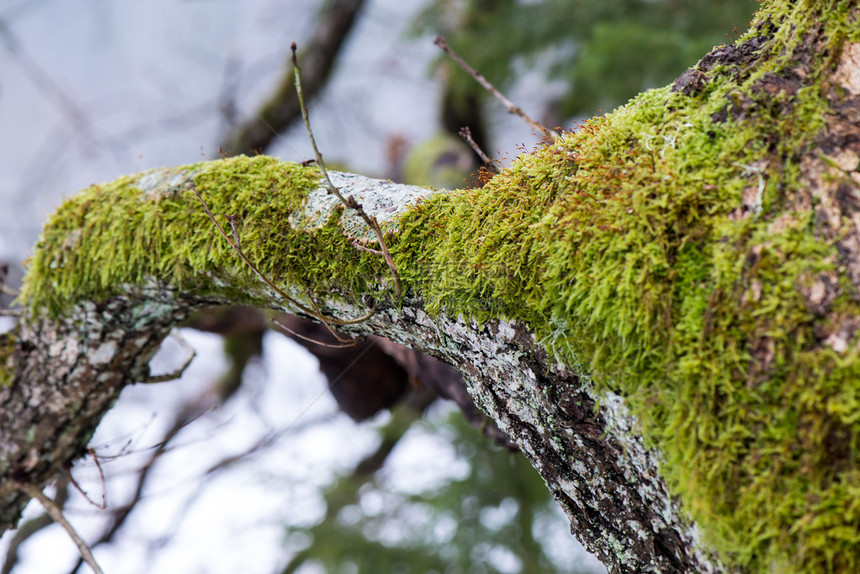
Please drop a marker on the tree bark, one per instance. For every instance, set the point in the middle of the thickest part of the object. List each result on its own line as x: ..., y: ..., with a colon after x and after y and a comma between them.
x: 660, y: 310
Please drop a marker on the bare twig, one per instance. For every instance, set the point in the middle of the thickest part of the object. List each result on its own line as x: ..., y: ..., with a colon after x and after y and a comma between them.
x: 249, y: 454
x: 118, y: 516
x: 103, y: 506
x: 327, y: 326
x: 234, y: 222
x: 361, y: 247
x: 489, y: 163
x: 56, y: 513
x: 269, y: 282
x: 509, y: 105
x: 345, y: 343
x: 335, y: 20
x: 350, y: 201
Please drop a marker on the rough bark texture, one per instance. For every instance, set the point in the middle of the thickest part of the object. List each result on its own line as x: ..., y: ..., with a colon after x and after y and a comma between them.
x: 612, y: 492
x: 690, y: 259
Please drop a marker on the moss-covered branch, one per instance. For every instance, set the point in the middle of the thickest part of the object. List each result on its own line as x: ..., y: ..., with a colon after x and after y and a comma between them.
x: 661, y: 307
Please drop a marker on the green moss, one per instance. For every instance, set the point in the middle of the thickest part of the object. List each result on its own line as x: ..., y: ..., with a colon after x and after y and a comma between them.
x: 635, y: 248
x: 661, y: 249
x: 115, y: 234
x: 7, y: 353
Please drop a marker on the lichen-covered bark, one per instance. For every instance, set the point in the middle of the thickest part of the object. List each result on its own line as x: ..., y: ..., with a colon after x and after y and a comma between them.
x: 68, y: 373
x: 601, y: 474
x: 662, y: 309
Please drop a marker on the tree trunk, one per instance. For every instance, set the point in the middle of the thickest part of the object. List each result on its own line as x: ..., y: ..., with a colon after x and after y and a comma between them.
x: 661, y: 310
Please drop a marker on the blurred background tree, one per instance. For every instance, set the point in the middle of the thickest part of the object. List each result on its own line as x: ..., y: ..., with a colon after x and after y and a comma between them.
x: 602, y: 52
x: 494, y: 517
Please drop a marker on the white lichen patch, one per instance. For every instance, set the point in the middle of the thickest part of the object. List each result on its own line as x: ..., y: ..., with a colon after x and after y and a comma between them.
x: 506, y: 331
x: 383, y: 200
x: 104, y: 353
x: 164, y: 182
x: 848, y: 73
x: 67, y: 350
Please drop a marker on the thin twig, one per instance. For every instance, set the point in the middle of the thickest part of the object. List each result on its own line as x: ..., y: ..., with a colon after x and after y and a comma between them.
x: 361, y: 247
x: 489, y: 163
x: 327, y: 326
x: 103, y: 506
x: 56, y: 513
x: 509, y: 105
x: 349, y: 202
x: 187, y: 414
x: 234, y: 225
x: 267, y: 281
x: 291, y: 333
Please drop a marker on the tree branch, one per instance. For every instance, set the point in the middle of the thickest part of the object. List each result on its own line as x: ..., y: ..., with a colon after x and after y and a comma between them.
x: 665, y: 336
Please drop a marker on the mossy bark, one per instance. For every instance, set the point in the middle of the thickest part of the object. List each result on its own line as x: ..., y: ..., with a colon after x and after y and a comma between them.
x: 661, y: 309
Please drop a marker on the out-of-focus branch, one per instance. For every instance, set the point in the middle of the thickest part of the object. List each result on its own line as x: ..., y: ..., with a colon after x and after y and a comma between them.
x: 56, y: 513
x: 189, y: 412
x: 336, y: 19
x: 34, y: 525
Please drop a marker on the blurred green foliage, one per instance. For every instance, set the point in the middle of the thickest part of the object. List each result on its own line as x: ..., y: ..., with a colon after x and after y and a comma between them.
x: 492, y: 515
x: 605, y: 51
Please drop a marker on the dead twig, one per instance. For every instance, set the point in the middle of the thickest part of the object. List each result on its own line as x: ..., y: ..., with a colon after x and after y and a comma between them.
x: 350, y: 201
x: 509, y: 105
x: 56, y: 513
x: 489, y: 163
x: 344, y: 343
x: 27, y: 529
x: 103, y: 506
x: 327, y: 326
x: 119, y: 515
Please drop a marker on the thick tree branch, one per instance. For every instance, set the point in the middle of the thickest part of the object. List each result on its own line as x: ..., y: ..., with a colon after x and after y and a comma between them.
x: 661, y: 310
x: 94, y: 348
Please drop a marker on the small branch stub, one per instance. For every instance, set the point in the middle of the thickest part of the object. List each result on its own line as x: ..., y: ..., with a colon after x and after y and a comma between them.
x: 491, y: 166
